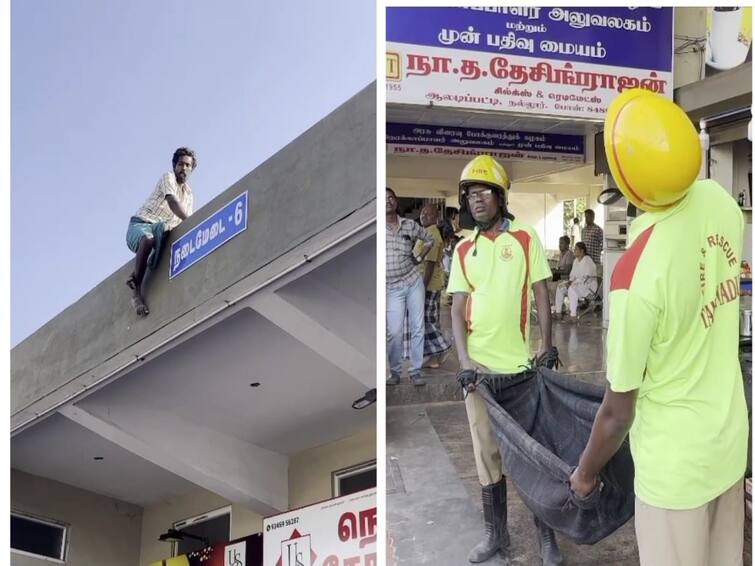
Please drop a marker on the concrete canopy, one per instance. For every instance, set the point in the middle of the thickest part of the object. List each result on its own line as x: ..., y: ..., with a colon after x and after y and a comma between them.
x: 64, y: 450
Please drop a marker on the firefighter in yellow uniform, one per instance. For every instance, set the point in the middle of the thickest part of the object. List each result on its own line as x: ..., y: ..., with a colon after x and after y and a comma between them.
x: 492, y: 276
x: 675, y: 383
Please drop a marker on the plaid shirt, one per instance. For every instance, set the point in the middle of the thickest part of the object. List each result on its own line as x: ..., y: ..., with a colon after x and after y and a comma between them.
x: 156, y: 208
x: 400, y: 270
x: 592, y: 236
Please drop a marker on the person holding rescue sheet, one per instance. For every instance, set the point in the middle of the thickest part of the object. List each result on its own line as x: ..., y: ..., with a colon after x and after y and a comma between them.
x: 675, y: 383
x: 492, y: 275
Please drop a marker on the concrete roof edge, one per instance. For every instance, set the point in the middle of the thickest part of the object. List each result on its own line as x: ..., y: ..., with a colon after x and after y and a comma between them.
x: 717, y: 93
x: 351, y: 229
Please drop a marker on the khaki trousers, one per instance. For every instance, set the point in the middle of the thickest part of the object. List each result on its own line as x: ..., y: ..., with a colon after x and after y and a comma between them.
x: 486, y: 454
x: 710, y: 535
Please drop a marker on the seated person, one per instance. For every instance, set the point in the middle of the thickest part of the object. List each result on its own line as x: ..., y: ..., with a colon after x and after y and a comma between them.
x: 561, y: 271
x: 565, y: 260
x: 583, y: 280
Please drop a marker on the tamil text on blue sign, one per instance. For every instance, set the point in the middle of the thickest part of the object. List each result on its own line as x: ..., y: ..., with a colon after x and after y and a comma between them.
x: 458, y: 141
x: 553, y: 61
x: 208, y: 236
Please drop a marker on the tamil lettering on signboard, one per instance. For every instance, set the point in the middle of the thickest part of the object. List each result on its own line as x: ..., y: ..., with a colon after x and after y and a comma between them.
x: 208, y: 236
x: 551, y: 61
x: 337, y: 532
x: 459, y: 141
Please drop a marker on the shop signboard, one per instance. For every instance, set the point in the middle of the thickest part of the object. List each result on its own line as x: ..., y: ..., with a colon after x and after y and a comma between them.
x: 209, y: 235
x: 568, y: 62
x: 245, y: 551
x: 337, y: 532
x: 459, y: 141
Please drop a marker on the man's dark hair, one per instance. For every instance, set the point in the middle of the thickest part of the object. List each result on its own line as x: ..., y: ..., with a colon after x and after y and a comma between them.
x: 451, y: 211
x: 581, y: 246
x: 390, y: 190
x: 566, y: 239
x: 576, y: 220
x: 184, y: 151
x: 589, y: 211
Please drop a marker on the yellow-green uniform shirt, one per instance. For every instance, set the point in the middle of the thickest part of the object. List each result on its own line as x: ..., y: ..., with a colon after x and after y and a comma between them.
x: 437, y: 281
x: 497, y: 271
x: 674, y: 336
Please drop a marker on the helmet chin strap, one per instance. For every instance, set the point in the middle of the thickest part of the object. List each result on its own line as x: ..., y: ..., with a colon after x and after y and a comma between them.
x: 609, y: 197
x: 490, y: 224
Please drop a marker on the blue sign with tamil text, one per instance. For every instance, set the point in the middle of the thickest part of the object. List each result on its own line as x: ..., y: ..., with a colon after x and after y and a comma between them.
x: 484, y: 139
x: 208, y: 236
x: 569, y: 62
x: 639, y: 38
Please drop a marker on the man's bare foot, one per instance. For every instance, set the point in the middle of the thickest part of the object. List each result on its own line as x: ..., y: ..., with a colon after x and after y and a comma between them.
x: 431, y: 362
x: 436, y: 361
x: 139, y: 305
x: 131, y: 282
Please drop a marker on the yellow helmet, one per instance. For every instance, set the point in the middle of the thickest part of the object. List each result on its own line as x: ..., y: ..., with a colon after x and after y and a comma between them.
x: 485, y: 170
x: 652, y: 148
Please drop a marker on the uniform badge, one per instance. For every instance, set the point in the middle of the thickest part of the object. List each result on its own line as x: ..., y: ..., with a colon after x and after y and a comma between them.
x: 506, y: 253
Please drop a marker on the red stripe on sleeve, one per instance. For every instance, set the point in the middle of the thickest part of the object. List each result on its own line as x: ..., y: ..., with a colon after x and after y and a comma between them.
x: 623, y: 273
x: 464, y: 248
x: 524, y: 239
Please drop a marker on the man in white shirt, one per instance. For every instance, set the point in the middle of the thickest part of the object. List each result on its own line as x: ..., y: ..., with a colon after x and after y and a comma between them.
x: 171, y: 202
x: 583, y: 280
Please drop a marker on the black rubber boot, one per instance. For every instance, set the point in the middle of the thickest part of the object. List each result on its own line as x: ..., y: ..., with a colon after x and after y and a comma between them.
x: 549, y: 551
x: 496, y: 536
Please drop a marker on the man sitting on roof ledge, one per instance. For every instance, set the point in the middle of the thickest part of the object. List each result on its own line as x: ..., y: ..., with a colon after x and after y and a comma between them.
x: 171, y: 202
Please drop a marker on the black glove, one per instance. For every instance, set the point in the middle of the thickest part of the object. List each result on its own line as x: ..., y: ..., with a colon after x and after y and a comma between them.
x: 547, y: 359
x: 467, y: 378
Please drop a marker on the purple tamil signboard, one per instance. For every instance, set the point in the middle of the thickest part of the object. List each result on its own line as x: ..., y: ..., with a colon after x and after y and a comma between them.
x: 551, y: 61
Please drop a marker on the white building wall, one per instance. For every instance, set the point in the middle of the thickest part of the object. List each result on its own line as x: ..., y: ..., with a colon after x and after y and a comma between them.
x: 309, y: 475
x: 102, y: 530
x: 688, y: 22
x: 543, y: 212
